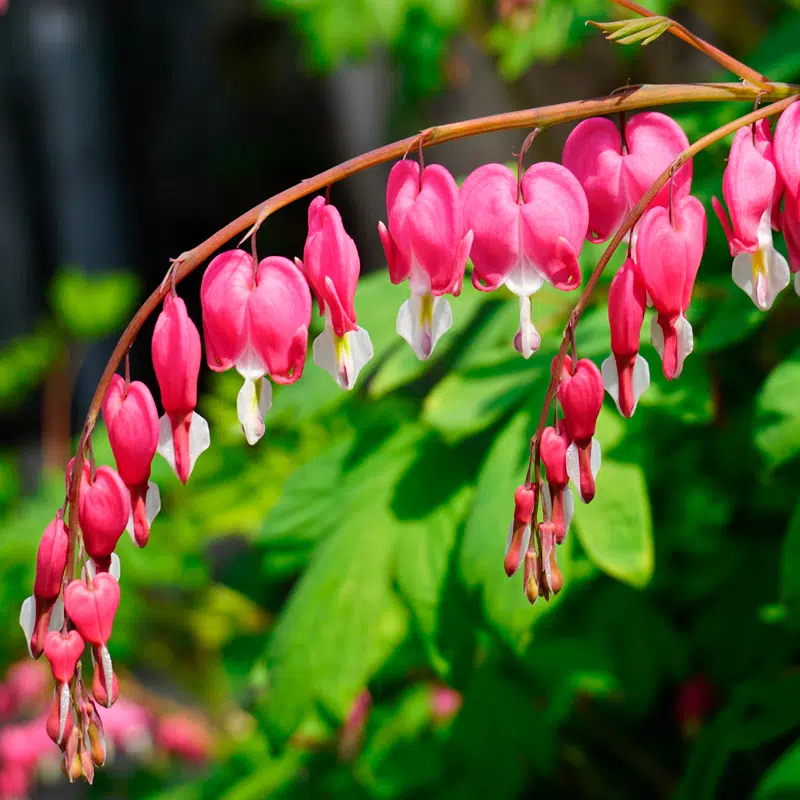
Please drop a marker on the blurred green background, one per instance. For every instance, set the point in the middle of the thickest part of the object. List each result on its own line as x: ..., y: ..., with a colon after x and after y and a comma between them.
x: 326, y: 614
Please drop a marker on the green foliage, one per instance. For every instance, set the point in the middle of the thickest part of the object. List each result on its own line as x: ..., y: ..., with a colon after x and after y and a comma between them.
x: 111, y: 298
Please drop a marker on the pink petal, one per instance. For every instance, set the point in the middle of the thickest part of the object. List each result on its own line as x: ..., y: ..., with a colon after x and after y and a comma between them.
x: 786, y: 152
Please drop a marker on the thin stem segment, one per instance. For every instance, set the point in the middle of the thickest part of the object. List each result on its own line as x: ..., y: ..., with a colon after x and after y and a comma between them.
x: 629, y: 99
x: 722, y: 58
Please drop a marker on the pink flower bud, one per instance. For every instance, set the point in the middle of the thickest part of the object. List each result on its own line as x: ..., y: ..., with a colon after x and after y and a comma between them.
x: 426, y: 244
x: 132, y: 420
x: 51, y: 559
x: 104, y: 510
x: 581, y: 397
x: 63, y: 652
x: 331, y: 265
x: 257, y: 322
x: 625, y: 373
x: 526, y: 241
x: 615, y: 174
x: 519, y: 532
x: 183, y: 434
x: 92, y: 608
x: 557, y: 499
x: 105, y: 686
x: 59, y: 732
x: 668, y: 254
x: 748, y: 186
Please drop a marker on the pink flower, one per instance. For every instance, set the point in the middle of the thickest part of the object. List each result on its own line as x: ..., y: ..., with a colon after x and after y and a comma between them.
x: 445, y: 702
x: 104, y: 512
x: 255, y: 320
x: 92, y: 609
x: 331, y: 265
x: 38, y: 612
x: 787, y: 162
x: 129, y: 726
x: 185, y: 736
x: 748, y: 186
x: 625, y: 373
x: 426, y: 244
x: 524, y: 241
x: 557, y: 499
x: 63, y: 652
x: 616, y: 173
x: 132, y: 420
x: 182, y: 433
x: 581, y: 398
x: 519, y: 532
x: 668, y: 255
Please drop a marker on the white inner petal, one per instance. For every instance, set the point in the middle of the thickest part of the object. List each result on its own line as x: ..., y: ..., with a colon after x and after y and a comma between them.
x: 547, y: 505
x: 524, y: 280
x: 63, y: 709
x: 569, y: 509
x: 527, y: 340
x: 108, y: 674
x: 114, y: 569
x: 685, y: 341
x: 250, y: 366
x: 422, y: 320
x: 344, y: 357
x: 166, y: 447
x: 608, y: 370
x: 27, y: 620
x: 57, y: 617
x: 252, y: 404
x: 657, y: 337
x: 199, y: 437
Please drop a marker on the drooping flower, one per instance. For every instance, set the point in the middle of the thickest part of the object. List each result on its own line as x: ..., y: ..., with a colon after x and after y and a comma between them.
x: 748, y: 186
x: 182, y: 433
x: 331, y: 265
x: 104, y: 512
x: 787, y: 162
x: 519, y: 532
x: 92, y: 608
x: 557, y: 499
x: 63, y: 651
x: 669, y: 249
x: 132, y: 420
x: 617, y: 171
x: 425, y: 243
x: 256, y: 321
x: 39, y: 610
x: 625, y: 373
x: 525, y: 236
x: 581, y: 397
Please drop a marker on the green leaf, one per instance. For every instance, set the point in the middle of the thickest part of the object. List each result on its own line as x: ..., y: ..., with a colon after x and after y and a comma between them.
x: 732, y: 318
x: 616, y: 529
x: 777, y: 423
x: 790, y: 565
x: 93, y: 306
x: 783, y: 778
x: 24, y: 363
x: 337, y: 628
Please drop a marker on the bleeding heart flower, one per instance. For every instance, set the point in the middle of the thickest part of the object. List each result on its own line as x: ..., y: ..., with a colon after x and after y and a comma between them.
x: 256, y: 321
x: 59, y: 723
x: 331, y: 265
x: 38, y: 612
x: 748, y: 186
x: 669, y: 249
x: 132, y: 420
x: 519, y: 532
x: 616, y: 171
x: 581, y: 398
x: 425, y: 243
x: 63, y: 651
x: 557, y: 499
x: 785, y: 151
x: 525, y: 236
x: 625, y: 373
x: 182, y: 433
x: 92, y: 608
x: 104, y: 510
x: 105, y: 686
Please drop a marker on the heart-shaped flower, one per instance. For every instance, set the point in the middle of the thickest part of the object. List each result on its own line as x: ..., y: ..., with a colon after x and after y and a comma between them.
x: 92, y: 608
x: 63, y: 653
x: 104, y: 511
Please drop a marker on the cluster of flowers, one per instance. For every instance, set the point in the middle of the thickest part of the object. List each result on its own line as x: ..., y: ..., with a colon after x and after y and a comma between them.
x: 613, y: 170
x: 27, y: 755
x: 520, y: 231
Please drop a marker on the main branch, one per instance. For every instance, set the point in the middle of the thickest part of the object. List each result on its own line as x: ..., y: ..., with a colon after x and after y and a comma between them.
x: 629, y: 99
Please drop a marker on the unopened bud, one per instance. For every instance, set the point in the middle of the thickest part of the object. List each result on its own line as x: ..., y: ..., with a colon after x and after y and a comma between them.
x: 524, y: 500
x: 87, y: 766
x: 105, y: 686
x: 98, y: 744
x: 556, y: 578
x: 530, y: 576
x: 517, y: 543
x: 71, y: 765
